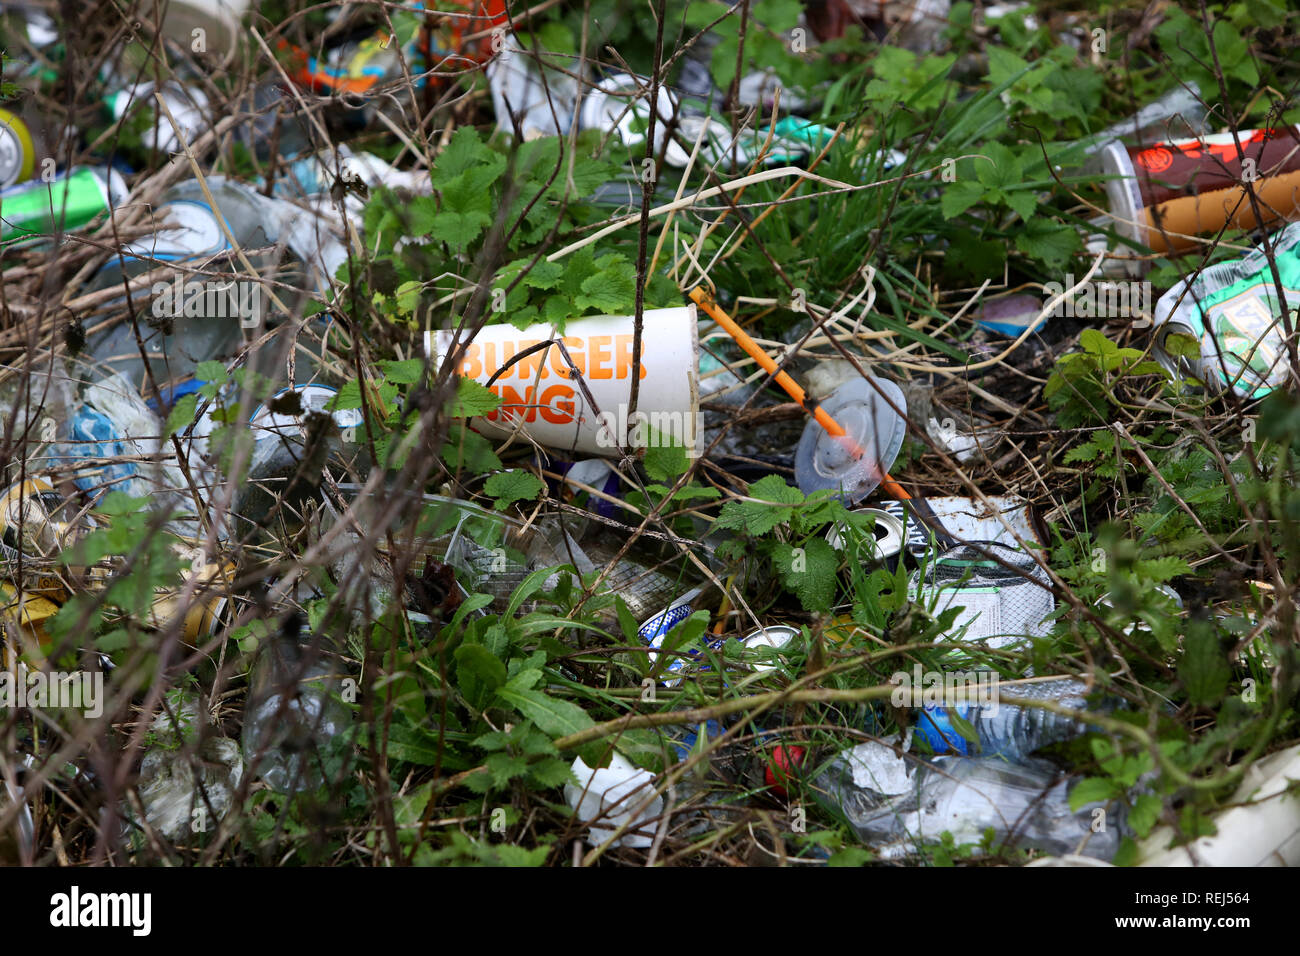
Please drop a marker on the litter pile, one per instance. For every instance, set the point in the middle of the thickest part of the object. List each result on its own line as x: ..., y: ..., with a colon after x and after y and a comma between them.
x: 429, y: 427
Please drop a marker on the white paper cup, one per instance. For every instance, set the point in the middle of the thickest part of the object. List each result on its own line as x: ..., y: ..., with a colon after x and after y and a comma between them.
x: 542, y: 398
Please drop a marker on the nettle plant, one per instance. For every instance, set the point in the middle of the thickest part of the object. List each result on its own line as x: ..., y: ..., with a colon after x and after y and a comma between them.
x: 490, y: 217
x: 779, y: 523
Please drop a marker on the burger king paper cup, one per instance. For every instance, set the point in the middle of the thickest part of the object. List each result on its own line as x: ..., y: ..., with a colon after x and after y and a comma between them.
x: 541, y: 395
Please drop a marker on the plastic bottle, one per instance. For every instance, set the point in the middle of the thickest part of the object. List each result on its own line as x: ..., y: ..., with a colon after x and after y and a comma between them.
x: 292, y: 450
x: 1179, y: 113
x: 502, y: 556
x: 1006, y: 730
x: 896, y: 804
x: 294, y: 709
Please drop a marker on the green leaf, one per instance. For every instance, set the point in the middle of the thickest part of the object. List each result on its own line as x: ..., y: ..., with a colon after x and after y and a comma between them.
x: 510, y: 855
x: 544, y: 275
x: 777, y: 15
x: 469, y: 450
x: 1023, y: 203
x: 348, y: 397
x: 611, y: 291
x: 505, y: 767
x: 471, y: 399
x: 1163, y: 569
x: 551, y: 772
x: 403, y: 373
x: 997, y: 167
x: 559, y: 718
x: 459, y: 228
x: 528, y: 586
x: 508, y: 487
x: 210, y: 372
x: 1145, y: 813
x: 1092, y: 790
x: 419, y: 217
x: 665, y: 461
x: 755, y: 518
x: 626, y: 622
x: 959, y: 196
x: 774, y: 488
x: 809, y: 571
x: 407, y: 296
x: 1049, y: 242
x: 465, y: 151
x: 1127, y: 854
x: 486, y: 666
x: 181, y: 415
x: 1204, y: 668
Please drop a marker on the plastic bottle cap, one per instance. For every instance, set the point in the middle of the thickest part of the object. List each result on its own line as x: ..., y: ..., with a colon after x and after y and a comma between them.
x: 824, y: 461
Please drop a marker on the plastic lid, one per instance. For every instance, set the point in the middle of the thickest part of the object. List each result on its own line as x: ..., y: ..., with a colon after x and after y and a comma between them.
x: 872, y: 425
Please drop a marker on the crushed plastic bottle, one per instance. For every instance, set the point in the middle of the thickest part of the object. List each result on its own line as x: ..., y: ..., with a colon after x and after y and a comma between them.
x: 294, y: 709
x: 188, y: 106
x: 1005, y: 730
x: 494, y: 555
x: 295, y: 440
x: 180, y: 787
x: 898, y: 804
x: 204, y: 319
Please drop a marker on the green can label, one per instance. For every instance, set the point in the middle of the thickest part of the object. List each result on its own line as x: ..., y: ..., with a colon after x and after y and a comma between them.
x: 40, y: 208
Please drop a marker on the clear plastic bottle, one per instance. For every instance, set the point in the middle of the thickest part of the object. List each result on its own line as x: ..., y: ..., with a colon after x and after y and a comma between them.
x: 294, y: 709
x: 293, y: 449
x: 1006, y: 730
x: 896, y: 804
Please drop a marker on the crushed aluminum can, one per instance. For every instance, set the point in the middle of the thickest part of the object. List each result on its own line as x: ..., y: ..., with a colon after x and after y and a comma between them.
x: 916, y: 535
x: 656, y: 628
x: 23, y: 616
x: 775, y: 636
x: 17, y: 152
x: 1229, y: 314
x: 889, y: 534
x: 37, y: 524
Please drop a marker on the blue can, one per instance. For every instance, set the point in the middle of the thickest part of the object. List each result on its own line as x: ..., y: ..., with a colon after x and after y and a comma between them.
x: 656, y: 628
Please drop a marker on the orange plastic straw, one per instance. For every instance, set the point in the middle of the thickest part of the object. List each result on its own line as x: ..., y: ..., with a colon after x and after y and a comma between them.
x: 791, y: 387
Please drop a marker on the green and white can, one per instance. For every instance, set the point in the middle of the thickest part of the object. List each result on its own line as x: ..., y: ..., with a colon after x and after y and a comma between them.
x: 1224, y: 326
x: 38, y: 208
